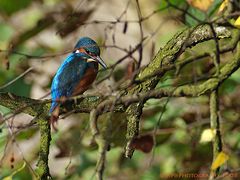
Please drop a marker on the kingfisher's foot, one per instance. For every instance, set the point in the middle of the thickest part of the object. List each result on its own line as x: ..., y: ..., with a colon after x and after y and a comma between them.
x: 53, y: 122
x: 54, y: 118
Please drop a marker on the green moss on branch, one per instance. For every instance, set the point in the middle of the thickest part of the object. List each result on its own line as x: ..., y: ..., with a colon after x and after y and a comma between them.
x: 45, y: 139
x: 167, y: 56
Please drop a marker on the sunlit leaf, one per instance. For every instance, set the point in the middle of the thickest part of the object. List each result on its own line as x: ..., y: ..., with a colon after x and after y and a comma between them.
x: 8, y: 178
x: 214, y: 7
x: 223, y: 6
x: 237, y: 22
x: 207, y: 135
x: 221, y: 159
x: 203, y: 5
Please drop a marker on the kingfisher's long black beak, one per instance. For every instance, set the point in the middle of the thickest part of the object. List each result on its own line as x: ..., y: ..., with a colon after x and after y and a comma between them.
x: 100, y: 61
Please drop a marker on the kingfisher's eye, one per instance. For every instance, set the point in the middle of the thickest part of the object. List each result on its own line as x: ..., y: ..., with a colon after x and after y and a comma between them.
x: 90, y: 53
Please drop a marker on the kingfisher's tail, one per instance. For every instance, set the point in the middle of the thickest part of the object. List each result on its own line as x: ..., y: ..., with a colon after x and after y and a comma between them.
x: 53, y: 106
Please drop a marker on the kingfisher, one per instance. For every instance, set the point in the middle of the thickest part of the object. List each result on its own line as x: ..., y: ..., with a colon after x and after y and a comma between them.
x: 75, y: 75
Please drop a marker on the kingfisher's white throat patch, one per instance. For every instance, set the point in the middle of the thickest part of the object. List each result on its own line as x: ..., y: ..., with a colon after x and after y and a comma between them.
x: 91, y: 60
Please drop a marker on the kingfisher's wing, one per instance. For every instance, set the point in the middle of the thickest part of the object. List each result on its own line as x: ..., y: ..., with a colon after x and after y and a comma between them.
x: 67, y: 77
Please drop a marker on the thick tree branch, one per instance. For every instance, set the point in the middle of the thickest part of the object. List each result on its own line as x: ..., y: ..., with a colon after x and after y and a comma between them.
x: 166, y: 56
x: 134, y: 98
x: 45, y: 138
x: 31, y: 106
x: 179, y: 43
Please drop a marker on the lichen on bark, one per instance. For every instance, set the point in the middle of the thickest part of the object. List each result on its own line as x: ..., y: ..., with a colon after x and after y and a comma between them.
x: 164, y: 61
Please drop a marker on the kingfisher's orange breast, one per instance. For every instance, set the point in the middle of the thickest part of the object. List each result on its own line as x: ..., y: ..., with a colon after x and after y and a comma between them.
x: 86, y: 81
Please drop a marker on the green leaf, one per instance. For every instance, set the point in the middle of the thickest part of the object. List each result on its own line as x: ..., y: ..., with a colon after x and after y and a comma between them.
x: 10, y: 177
x: 201, y: 15
x: 164, y: 3
x: 26, y: 134
x: 152, y: 173
x: 196, y: 13
x: 11, y: 6
x: 6, y: 32
x: 20, y: 87
x: 214, y: 7
x: 4, y: 110
x: 229, y: 86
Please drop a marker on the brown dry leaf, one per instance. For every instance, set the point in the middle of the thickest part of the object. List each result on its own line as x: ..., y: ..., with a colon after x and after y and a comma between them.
x: 130, y: 69
x: 203, y: 5
x: 143, y: 143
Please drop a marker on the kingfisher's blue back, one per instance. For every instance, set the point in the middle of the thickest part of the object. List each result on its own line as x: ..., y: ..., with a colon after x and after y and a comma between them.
x: 76, y: 73
x: 67, y: 77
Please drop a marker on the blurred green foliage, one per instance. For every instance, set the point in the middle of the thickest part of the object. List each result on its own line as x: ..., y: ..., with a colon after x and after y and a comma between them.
x: 11, y: 6
x: 6, y: 32
x: 177, y: 139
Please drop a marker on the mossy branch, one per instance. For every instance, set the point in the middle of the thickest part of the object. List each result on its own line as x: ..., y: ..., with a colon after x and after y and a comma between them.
x: 165, y: 57
x: 134, y: 99
x: 31, y: 106
x: 45, y: 139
